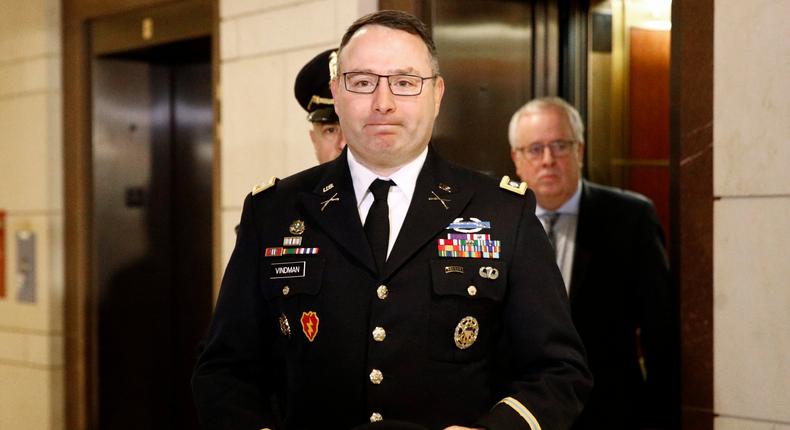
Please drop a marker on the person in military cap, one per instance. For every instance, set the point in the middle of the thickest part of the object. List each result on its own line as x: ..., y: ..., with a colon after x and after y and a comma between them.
x: 312, y: 91
x: 390, y: 289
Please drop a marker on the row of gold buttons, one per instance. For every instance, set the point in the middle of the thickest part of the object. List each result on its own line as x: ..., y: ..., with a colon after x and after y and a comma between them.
x: 379, y: 334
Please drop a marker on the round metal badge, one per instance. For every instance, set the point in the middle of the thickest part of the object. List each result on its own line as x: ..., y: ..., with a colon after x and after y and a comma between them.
x: 466, y: 332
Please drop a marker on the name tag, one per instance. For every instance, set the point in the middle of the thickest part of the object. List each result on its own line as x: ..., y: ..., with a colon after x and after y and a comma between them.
x: 294, y: 269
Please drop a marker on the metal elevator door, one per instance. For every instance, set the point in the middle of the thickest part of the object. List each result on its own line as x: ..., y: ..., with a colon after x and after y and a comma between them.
x: 485, y: 56
x: 152, y: 170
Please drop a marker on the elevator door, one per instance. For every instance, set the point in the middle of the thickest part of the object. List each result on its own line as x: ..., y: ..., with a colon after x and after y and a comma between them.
x: 485, y: 57
x: 152, y: 158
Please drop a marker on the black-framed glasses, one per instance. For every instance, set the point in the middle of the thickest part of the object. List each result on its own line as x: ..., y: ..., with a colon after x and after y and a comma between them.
x: 558, y: 148
x: 400, y: 85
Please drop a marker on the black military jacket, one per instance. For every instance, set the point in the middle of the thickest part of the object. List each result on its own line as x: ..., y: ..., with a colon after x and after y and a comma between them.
x: 321, y: 340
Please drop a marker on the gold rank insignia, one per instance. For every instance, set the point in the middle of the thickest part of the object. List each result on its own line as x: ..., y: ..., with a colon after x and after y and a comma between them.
x: 262, y: 187
x: 285, y: 326
x: 513, y: 186
x: 466, y: 332
x: 297, y: 227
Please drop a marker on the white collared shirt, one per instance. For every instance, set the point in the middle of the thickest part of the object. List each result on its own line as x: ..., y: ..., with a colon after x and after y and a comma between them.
x: 564, y: 232
x: 400, y: 194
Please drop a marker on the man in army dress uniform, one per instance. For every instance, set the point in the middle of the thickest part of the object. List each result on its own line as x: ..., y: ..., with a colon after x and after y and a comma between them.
x: 311, y: 90
x: 390, y: 288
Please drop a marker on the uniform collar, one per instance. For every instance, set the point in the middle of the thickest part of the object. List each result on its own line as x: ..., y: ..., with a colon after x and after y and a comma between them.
x: 405, y: 178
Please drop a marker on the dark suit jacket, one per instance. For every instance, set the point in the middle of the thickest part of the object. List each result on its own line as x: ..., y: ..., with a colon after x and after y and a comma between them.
x: 255, y: 373
x: 620, y: 284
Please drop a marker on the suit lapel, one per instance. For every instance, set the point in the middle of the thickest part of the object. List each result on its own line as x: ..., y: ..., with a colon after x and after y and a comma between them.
x: 339, y: 218
x: 427, y: 215
x: 582, y: 253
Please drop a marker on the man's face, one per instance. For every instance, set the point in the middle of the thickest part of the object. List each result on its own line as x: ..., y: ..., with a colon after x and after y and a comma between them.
x: 385, y: 131
x: 553, y: 179
x: 328, y: 141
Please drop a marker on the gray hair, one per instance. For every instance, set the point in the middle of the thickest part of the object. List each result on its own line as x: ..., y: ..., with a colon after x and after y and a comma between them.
x: 544, y: 103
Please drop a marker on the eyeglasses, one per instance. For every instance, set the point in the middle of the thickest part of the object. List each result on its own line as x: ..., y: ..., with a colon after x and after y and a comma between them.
x: 400, y: 85
x: 558, y: 148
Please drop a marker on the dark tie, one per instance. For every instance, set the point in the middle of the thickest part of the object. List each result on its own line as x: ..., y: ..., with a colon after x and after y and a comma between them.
x: 552, y: 218
x: 377, y: 224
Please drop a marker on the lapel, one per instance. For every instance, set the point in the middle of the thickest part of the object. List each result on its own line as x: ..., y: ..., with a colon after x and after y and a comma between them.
x: 426, y: 218
x: 339, y: 218
x: 582, y: 253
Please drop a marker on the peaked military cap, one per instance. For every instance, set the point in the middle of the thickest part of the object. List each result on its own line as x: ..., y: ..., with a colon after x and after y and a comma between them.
x: 312, y: 87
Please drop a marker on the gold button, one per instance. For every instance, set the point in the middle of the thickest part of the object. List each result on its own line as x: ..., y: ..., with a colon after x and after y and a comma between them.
x: 376, y: 376
x: 375, y: 417
x: 379, y: 334
x: 286, y: 290
x: 472, y: 290
x: 382, y: 291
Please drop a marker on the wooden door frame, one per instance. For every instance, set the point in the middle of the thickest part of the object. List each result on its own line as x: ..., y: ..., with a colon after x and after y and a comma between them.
x: 80, y: 376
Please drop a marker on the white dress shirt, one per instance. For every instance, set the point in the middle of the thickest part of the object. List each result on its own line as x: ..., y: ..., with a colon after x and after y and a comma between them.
x: 400, y: 194
x: 564, y: 232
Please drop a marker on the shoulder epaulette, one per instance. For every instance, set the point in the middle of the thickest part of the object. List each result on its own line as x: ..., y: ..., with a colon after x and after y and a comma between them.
x: 263, y: 187
x: 515, y: 187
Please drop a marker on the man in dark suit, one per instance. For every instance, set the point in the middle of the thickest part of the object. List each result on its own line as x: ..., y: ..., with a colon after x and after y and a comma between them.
x: 389, y: 288
x: 609, y: 248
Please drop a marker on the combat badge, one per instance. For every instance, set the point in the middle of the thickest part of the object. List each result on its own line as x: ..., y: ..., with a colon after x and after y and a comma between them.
x: 285, y: 326
x: 466, y: 332
x: 297, y: 227
x: 472, y: 226
x: 310, y: 325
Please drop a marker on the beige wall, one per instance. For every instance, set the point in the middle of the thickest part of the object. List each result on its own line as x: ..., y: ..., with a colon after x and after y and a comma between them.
x: 31, y: 193
x: 751, y: 127
x: 263, y: 44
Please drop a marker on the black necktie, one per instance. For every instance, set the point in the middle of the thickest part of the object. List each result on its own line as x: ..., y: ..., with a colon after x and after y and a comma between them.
x: 552, y: 217
x: 377, y: 224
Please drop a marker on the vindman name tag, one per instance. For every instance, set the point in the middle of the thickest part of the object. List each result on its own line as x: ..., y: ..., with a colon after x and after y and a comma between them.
x: 292, y: 269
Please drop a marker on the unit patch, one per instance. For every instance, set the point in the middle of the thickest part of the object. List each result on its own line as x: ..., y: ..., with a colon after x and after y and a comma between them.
x: 294, y: 269
x: 310, y: 324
